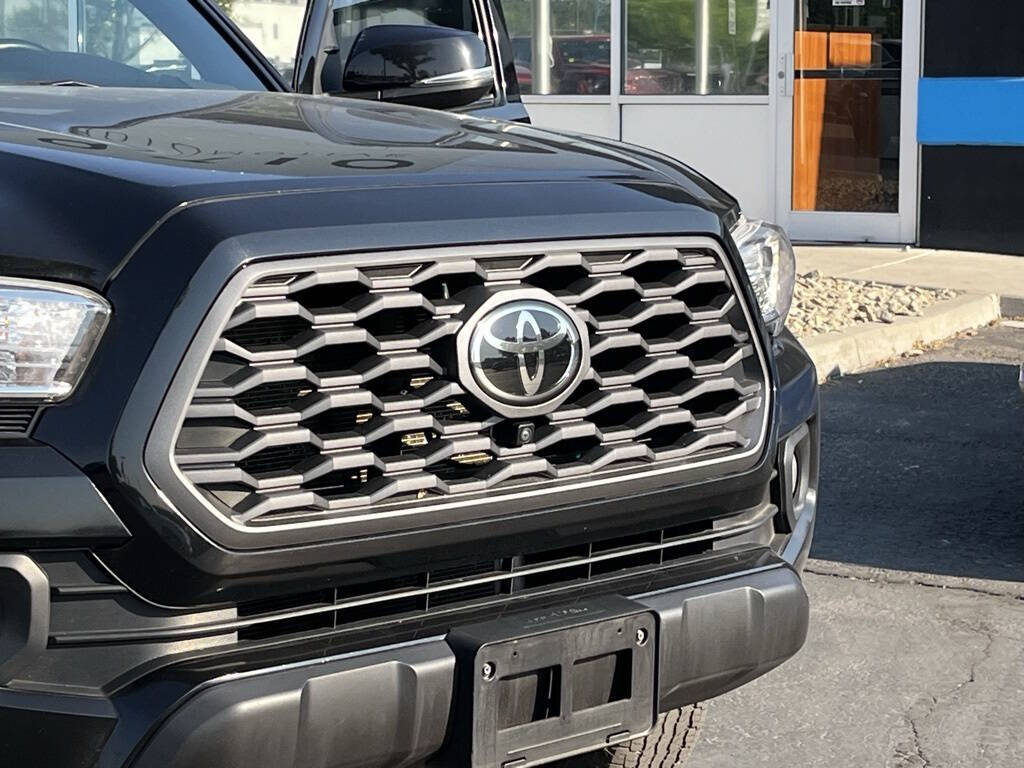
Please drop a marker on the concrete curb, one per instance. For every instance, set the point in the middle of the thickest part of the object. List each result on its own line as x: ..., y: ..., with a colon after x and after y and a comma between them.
x: 1013, y: 589
x: 860, y: 348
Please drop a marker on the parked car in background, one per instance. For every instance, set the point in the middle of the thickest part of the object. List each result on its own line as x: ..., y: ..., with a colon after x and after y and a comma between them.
x: 580, y: 66
x: 336, y: 431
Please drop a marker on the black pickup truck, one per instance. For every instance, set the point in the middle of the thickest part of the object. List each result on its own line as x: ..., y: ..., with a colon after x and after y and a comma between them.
x: 338, y: 432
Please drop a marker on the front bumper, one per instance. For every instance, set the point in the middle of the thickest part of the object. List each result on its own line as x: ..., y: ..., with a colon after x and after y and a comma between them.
x: 391, y: 707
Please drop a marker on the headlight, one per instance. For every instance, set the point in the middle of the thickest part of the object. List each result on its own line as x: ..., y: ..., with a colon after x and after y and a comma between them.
x: 771, y: 264
x: 47, y: 334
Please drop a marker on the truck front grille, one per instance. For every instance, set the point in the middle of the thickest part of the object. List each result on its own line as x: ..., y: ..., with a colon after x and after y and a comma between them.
x: 332, y: 391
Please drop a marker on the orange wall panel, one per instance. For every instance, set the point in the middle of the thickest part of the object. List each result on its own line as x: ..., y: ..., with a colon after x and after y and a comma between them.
x: 811, y: 50
x: 849, y: 49
x: 808, y: 118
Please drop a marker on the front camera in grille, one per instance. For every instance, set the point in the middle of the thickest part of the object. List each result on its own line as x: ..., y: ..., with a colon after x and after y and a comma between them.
x: 332, y: 389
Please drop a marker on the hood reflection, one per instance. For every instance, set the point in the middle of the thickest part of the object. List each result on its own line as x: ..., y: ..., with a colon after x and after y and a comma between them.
x: 284, y: 135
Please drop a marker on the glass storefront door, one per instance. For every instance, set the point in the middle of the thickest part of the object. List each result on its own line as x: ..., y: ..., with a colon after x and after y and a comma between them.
x: 846, y: 108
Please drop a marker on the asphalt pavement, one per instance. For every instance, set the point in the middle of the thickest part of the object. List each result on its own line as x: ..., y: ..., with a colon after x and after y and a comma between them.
x: 923, y: 462
x: 916, y: 651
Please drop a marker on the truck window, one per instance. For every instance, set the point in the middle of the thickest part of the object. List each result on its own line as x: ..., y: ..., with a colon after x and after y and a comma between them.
x: 129, y: 43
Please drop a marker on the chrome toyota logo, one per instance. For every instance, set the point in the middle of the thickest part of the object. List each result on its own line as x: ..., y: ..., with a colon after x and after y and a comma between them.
x: 525, y: 355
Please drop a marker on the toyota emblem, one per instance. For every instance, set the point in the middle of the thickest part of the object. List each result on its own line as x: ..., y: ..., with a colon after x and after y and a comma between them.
x: 525, y: 355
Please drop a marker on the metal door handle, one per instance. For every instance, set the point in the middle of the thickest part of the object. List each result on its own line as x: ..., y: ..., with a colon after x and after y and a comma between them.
x: 786, y: 74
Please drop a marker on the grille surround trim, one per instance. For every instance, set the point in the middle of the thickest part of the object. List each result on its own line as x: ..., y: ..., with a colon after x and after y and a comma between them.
x: 168, y: 477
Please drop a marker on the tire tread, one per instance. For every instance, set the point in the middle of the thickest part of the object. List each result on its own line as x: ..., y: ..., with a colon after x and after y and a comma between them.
x: 668, y: 744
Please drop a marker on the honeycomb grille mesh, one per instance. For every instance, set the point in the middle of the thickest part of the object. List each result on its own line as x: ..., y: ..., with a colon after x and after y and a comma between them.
x: 332, y: 391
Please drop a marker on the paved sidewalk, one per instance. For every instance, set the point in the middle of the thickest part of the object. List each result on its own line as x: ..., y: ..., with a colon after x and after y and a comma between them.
x: 962, y: 271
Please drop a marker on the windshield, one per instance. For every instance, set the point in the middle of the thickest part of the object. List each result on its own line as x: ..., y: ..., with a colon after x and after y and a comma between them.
x: 117, y: 43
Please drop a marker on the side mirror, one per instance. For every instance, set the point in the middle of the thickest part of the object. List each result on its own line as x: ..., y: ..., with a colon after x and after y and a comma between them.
x: 425, y: 66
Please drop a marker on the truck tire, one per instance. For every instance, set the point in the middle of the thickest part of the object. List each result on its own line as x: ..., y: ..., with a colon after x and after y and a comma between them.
x: 668, y: 745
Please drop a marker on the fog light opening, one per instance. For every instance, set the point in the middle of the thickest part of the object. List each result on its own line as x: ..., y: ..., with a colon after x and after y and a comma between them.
x: 795, y: 477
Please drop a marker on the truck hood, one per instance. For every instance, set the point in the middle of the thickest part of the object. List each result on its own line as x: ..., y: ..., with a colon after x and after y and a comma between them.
x: 86, y: 173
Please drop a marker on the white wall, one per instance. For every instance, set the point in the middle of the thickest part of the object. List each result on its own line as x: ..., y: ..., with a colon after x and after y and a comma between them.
x: 595, y: 119
x: 729, y: 143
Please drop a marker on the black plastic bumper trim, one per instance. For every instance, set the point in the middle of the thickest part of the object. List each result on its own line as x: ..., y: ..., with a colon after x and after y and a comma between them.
x: 24, y: 613
x: 47, y: 500
x: 723, y: 635
x: 390, y: 708
x: 385, y: 708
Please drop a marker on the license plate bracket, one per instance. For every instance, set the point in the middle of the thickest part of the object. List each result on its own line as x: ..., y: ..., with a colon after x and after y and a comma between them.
x: 540, y: 686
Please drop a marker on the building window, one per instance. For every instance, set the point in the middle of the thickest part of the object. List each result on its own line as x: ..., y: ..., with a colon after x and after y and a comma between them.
x: 561, y: 46
x: 272, y: 25
x: 704, y: 47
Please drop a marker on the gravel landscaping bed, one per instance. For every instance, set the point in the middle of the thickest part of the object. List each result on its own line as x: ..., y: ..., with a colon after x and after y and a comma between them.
x: 825, y: 304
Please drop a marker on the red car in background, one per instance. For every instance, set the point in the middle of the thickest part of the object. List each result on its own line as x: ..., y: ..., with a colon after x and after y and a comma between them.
x: 582, y: 66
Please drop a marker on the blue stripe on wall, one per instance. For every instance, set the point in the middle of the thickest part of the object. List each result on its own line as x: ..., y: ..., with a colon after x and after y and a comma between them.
x: 971, y: 110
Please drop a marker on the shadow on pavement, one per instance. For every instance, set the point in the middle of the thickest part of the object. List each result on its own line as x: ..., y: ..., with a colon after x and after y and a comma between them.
x: 923, y: 470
